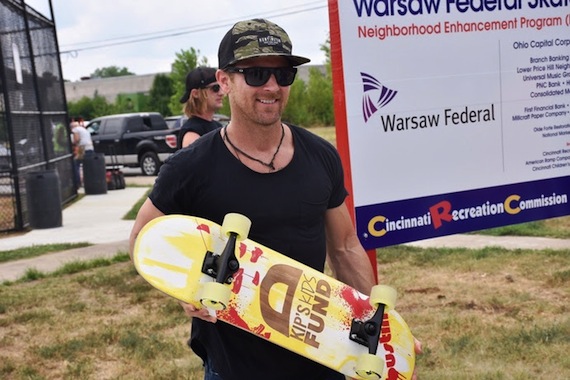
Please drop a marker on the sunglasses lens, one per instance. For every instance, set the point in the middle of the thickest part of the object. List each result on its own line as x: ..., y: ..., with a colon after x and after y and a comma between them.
x: 215, y: 88
x: 256, y: 76
x: 285, y: 76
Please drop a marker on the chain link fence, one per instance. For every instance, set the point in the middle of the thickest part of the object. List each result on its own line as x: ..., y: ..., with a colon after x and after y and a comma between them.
x: 34, y: 133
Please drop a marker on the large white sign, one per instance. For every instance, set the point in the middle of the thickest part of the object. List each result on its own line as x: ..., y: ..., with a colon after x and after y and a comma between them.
x: 457, y: 113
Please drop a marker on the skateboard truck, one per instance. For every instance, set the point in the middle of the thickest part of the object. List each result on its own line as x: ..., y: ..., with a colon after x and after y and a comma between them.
x: 367, y: 333
x: 216, y: 295
x: 222, y: 267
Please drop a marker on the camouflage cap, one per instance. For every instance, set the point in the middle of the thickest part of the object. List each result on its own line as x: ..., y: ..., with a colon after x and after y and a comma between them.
x: 256, y: 38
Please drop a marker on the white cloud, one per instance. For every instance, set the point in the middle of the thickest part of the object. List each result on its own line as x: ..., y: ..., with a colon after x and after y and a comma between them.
x: 103, y: 21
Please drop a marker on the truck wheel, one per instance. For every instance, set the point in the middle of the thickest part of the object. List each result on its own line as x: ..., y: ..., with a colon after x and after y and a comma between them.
x: 149, y: 163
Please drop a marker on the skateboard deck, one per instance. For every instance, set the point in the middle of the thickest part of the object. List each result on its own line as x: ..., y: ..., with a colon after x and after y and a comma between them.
x: 274, y: 297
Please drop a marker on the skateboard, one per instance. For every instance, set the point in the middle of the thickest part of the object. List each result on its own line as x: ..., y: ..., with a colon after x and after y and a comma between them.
x: 275, y: 297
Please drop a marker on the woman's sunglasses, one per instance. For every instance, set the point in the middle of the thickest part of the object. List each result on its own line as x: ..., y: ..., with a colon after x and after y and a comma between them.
x: 214, y: 88
x: 258, y: 76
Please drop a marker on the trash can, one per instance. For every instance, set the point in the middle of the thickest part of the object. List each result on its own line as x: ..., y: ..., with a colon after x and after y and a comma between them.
x: 94, y: 174
x: 44, y: 199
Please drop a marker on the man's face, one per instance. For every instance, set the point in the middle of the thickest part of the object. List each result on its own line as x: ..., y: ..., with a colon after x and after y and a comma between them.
x: 261, y: 105
x: 214, y: 99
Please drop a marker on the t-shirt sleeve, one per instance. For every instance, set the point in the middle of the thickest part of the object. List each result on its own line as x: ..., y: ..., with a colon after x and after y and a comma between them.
x: 339, y: 192
x: 167, y: 195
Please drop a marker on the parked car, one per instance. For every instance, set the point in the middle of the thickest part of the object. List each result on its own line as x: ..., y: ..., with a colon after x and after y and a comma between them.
x: 134, y: 139
x: 175, y: 122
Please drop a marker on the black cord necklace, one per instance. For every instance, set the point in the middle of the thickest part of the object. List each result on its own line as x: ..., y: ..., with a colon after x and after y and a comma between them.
x: 269, y: 164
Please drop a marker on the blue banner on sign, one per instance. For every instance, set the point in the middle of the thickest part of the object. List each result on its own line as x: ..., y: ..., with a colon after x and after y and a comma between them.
x: 391, y: 223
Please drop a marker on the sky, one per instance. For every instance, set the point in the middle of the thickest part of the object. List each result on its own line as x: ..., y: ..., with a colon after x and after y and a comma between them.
x: 94, y: 34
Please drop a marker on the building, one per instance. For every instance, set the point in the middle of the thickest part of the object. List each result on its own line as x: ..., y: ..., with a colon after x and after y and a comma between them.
x: 109, y: 88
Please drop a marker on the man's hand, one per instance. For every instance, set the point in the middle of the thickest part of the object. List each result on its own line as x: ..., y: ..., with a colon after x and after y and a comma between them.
x: 193, y: 312
x: 418, y: 350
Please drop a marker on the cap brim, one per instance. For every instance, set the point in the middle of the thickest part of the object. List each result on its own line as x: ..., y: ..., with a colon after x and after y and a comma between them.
x: 185, y: 97
x: 294, y: 59
x: 297, y: 60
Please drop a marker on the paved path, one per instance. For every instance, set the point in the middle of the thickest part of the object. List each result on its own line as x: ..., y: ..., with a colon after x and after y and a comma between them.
x: 98, y: 219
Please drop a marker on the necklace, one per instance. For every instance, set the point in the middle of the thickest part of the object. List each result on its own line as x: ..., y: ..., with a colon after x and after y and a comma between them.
x: 269, y: 164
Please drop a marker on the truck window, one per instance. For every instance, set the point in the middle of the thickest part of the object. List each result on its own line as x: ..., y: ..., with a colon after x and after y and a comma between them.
x: 94, y: 126
x: 157, y: 122
x: 134, y: 124
x: 147, y: 125
x: 110, y: 126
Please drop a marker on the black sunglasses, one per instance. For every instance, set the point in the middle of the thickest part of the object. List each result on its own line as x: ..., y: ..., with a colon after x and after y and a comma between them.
x: 215, y: 88
x: 258, y: 76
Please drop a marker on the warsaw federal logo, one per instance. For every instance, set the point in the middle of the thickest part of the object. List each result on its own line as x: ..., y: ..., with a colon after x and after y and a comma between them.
x: 375, y: 95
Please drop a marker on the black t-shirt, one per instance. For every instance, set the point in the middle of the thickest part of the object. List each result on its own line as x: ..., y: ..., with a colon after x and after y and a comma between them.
x: 197, y: 125
x: 287, y: 211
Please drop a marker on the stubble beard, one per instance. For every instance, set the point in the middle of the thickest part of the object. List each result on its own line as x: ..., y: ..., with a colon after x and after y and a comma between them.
x: 250, y: 113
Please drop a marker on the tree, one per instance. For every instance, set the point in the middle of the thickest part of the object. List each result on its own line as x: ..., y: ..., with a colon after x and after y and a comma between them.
x: 311, y: 103
x: 326, y: 48
x: 90, y: 108
x: 110, y: 71
x: 186, y: 61
x: 296, y: 110
x: 319, y: 96
x: 320, y: 90
x: 160, y: 94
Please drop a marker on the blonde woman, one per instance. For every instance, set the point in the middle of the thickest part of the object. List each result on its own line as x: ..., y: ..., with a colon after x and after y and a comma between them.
x: 203, y: 97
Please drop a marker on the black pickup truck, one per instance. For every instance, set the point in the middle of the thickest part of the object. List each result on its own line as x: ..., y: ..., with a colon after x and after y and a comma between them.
x: 133, y: 140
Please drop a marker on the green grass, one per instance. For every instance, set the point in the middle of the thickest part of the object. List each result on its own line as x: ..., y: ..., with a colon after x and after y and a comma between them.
x: 101, y: 322
x: 72, y: 267
x: 553, y: 228
x: 132, y: 214
x: 37, y: 250
x: 481, y: 314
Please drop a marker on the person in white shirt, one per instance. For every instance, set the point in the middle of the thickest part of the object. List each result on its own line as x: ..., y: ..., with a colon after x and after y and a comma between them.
x: 82, y: 146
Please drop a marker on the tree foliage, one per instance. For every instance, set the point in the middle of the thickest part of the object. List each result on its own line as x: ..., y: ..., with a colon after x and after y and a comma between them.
x: 319, y: 91
x: 110, y: 71
x: 186, y: 61
x: 160, y: 94
x: 90, y: 108
x: 311, y: 103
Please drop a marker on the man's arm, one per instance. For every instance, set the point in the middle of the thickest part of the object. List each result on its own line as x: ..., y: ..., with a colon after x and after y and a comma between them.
x: 189, y: 138
x: 347, y: 258
x: 75, y: 137
x: 146, y: 213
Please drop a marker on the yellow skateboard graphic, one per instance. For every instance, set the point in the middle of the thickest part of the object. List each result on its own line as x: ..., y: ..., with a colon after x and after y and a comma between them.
x: 275, y: 297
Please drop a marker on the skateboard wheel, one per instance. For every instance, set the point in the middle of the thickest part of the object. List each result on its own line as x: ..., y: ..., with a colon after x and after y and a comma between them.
x: 369, y: 366
x: 236, y: 223
x: 215, y: 296
x: 383, y: 294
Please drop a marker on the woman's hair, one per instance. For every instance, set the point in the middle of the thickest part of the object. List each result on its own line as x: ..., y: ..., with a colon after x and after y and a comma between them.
x: 196, y: 105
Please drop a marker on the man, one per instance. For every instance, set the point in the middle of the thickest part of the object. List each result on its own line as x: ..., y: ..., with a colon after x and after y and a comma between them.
x: 288, y: 181
x: 203, y: 97
x: 82, y: 146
